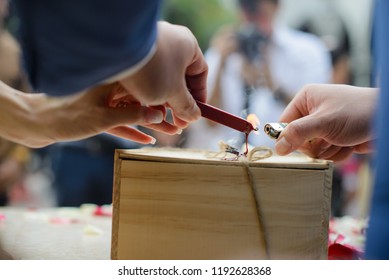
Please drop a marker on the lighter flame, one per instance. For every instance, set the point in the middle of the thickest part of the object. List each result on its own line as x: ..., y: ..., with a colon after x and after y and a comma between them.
x: 253, y: 119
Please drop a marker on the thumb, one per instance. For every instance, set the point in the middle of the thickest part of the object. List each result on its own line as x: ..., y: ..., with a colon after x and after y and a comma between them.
x: 298, y: 132
x: 184, y: 106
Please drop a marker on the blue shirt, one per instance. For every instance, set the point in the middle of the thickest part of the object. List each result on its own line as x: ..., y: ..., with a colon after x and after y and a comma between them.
x: 377, y: 245
x: 70, y: 45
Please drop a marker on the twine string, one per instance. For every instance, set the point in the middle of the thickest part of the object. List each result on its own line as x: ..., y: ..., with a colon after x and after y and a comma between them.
x: 260, y: 216
x: 255, y: 154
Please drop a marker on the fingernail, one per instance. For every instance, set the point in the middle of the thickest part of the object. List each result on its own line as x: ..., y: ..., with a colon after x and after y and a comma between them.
x: 122, y: 104
x: 154, y: 117
x: 283, y: 147
x: 179, y: 131
x: 153, y: 141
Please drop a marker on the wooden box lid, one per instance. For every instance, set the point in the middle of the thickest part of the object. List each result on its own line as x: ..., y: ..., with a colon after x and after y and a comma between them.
x: 191, y: 156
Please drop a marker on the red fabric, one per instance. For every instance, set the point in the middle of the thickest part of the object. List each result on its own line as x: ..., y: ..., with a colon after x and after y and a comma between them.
x: 338, y: 251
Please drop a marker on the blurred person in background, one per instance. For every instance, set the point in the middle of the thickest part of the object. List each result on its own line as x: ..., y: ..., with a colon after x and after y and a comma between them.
x: 11, y: 72
x: 336, y: 39
x: 13, y: 164
x: 331, y: 18
x: 257, y: 68
x: 13, y: 157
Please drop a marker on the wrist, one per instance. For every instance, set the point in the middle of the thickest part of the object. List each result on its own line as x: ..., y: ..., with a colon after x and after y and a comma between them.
x: 19, y: 120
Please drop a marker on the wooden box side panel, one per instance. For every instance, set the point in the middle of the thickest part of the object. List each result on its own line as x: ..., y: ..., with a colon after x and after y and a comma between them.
x: 185, y: 211
x: 199, y: 211
x: 116, y: 205
x: 295, y: 210
x: 326, y: 210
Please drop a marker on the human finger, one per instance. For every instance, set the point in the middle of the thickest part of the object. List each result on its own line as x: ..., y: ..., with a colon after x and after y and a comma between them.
x: 314, y: 147
x: 179, y: 122
x: 364, y: 148
x: 132, y: 134
x: 119, y: 95
x: 184, y: 106
x: 320, y: 148
x: 298, y: 132
x: 131, y: 114
x: 165, y: 127
x: 296, y: 108
x: 342, y: 154
x: 330, y: 152
x: 196, y: 76
x: 160, y: 108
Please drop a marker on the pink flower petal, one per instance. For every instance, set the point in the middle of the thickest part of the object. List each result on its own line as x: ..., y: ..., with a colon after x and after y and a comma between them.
x: 100, y: 211
x: 64, y: 221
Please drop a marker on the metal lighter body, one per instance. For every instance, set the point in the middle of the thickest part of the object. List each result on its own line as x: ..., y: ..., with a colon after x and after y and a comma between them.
x: 274, y: 129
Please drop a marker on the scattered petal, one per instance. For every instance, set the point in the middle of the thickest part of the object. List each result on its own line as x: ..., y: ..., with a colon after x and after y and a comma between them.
x: 103, y: 211
x: 64, y: 221
x: 88, y: 208
x: 92, y: 230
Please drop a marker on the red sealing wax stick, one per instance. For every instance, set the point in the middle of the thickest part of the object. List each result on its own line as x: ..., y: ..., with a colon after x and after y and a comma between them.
x: 217, y: 115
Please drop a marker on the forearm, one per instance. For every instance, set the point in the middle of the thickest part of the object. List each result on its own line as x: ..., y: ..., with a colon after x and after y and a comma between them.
x: 17, y: 117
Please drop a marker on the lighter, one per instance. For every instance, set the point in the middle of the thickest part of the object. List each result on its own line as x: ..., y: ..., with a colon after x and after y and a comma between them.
x: 274, y: 129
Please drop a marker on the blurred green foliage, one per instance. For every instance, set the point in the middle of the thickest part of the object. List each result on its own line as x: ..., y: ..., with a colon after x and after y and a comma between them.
x: 202, y: 17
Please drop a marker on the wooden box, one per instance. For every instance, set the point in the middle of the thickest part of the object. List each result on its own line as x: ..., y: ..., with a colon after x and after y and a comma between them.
x: 179, y: 204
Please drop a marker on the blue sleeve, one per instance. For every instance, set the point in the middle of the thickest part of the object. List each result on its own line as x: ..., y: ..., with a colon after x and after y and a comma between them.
x: 70, y: 45
x: 377, y: 244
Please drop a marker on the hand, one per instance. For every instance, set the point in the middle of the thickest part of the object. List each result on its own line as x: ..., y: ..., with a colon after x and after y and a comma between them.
x: 37, y: 120
x: 329, y: 122
x: 257, y: 73
x: 251, y: 74
x: 174, y: 77
x: 225, y: 42
x: 4, y: 255
x: 11, y: 171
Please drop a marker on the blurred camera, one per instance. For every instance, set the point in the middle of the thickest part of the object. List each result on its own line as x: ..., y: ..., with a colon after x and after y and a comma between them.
x: 250, y: 42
